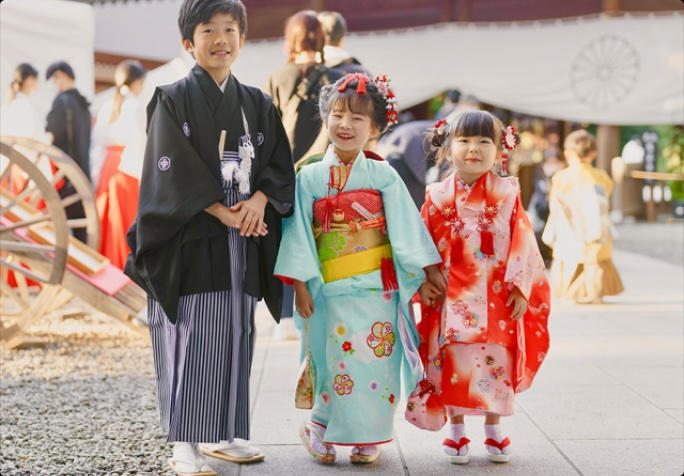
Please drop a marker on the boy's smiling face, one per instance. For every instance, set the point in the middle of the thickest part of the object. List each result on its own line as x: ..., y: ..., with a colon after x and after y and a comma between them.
x: 215, y: 45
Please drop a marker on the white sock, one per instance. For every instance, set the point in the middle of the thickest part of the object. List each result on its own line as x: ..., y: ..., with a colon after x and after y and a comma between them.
x: 456, y: 432
x: 316, y: 443
x: 365, y: 450
x: 494, y: 432
x: 188, y: 459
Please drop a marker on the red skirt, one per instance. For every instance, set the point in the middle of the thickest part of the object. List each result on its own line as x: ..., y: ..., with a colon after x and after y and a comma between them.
x: 117, y: 205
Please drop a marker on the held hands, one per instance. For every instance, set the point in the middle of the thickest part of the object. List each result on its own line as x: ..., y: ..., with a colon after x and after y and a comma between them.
x: 519, y: 303
x: 232, y: 218
x: 433, y: 290
x: 250, y: 215
x: 303, y: 300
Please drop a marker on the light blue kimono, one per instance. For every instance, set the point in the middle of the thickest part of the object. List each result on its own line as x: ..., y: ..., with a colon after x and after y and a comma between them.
x: 359, y: 336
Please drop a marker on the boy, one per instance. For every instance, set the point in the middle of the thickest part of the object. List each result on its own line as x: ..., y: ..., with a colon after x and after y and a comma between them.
x: 579, y: 228
x: 217, y: 179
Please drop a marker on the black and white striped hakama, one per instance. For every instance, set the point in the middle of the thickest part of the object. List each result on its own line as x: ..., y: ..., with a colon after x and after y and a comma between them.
x: 203, y: 362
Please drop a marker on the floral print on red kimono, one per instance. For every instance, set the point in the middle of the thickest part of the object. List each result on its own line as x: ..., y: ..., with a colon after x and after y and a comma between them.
x: 474, y: 354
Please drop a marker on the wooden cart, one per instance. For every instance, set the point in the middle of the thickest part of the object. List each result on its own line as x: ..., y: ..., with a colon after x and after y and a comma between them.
x: 42, y: 267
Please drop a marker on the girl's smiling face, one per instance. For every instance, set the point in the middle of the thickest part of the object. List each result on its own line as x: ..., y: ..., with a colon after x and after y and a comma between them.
x: 349, y: 131
x: 473, y: 156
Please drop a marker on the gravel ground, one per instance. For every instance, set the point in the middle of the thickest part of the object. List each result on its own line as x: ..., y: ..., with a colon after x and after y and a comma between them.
x: 83, y: 404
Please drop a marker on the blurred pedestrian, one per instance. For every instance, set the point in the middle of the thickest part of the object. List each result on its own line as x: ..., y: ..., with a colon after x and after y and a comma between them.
x: 486, y: 340
x: 295, y: 88
x: 18, y: 115
x: 68, y: 124
x: 538, y: 208
x: 119, y: 146
x: 335, y: 28
x: 296, y: 85
x: 579, y: 228
x: 356, y: 251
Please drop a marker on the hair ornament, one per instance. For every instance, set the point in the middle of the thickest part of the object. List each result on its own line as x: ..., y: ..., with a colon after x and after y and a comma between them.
x: 441, y: 132
x: 392, y: 114
x: 510, y: 139
x: 360, y: 87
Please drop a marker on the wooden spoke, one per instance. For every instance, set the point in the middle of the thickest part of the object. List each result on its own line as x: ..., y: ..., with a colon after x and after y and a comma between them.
x: 57, y: 177
x: 77, y: 223
x: 25, y: 223
x: 70, y: 200
x: 19, y: 198
x: 27, y: 272
x: 25, y: 247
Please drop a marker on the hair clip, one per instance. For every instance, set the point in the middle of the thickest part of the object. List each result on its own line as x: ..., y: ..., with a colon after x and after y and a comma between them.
x: 360, y: 87
x: 392, y: 113
x: 509, y: 140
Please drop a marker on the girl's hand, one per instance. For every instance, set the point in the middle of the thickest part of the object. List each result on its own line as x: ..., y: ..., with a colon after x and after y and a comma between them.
x: 429, y: 293
x: 303, y: 300
x: 250, y: 214
x: 519, y: 304
x: 435, y: 276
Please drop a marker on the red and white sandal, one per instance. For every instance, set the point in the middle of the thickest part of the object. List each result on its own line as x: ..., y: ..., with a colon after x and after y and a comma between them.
x: 491, y: 443
x: 453, y: 450
x: 311, y: 437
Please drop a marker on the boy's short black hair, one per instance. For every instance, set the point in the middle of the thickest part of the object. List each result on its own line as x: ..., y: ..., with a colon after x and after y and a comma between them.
x: 62, y: 66
x: 195, y: 12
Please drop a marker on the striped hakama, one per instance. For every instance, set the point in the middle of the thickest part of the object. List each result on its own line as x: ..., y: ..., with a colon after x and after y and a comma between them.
x: 203, y: 362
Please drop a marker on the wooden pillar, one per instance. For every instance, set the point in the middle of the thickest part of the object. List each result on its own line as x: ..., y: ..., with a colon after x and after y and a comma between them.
x: 611, y: 7
x: 318, y: 5
x: 447, y: 11
x: 607, y: 145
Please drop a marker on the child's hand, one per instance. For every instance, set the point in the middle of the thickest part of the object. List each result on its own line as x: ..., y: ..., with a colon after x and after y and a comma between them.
x: 519, y: 304
x: 303, y: 300
x: 429, y: 293
x: 435, y: 276
x: 250, y: 215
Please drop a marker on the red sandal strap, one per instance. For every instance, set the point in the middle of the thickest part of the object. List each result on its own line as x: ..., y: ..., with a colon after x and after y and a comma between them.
x: 501, y: 445
x: 457, y: 446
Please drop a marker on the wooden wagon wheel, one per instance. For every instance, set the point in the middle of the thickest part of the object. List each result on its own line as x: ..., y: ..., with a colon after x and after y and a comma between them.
x: 58, y: 165
x: 35, y: 291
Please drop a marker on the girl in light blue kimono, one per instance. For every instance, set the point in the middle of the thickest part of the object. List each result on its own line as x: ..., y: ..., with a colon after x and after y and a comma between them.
x: 356, y: 251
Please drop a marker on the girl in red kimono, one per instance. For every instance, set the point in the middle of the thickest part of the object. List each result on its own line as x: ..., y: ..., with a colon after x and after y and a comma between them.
x: 485, y: 340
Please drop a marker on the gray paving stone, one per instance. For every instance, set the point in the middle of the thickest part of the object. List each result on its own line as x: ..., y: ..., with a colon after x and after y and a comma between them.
x: 532, y: 452
x: 294, y: 460
x: 677, y: 413
x: 626, y: 457
x: 275, y: 419
x: 602, y: 411
x: 660, y: 385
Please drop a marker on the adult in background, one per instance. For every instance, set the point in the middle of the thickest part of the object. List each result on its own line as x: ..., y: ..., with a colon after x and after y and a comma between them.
x: 119, y: 138
x: 18, y: 115
x: 335, y: 27
x: 68, y: 124
x: 295, y: 88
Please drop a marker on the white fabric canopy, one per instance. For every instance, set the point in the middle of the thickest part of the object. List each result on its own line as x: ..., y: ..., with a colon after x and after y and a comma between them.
x: 621, y: 70
x: 41, y: 32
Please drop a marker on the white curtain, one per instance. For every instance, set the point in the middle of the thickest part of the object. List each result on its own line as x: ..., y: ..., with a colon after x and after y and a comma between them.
x: 620, y: 70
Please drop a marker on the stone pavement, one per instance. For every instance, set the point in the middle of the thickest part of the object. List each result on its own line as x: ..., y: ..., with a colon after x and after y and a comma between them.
x: 608, y: 400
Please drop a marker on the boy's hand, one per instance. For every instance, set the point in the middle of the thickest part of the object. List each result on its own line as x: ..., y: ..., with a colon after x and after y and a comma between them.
x: 429, y: 293
x: 519, y: 304
x: 250, y: 215
x: 435, y: 276
x: 303, y: 300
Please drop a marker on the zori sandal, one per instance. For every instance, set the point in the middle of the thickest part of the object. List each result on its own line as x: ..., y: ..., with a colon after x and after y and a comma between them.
x: 496, y: 450
x: 364, y: 454
x: 314, y: 444
x: 457, y: 451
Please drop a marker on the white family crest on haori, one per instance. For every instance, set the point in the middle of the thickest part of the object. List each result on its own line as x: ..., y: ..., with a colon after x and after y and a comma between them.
x: 164, y: 163
x: 241, y: 169
x: 186, y: 129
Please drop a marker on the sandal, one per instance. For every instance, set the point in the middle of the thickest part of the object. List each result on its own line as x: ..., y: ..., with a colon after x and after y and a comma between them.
x: 204, y: 470
x: 307, y: 434
x: 357, y: 457
x: 453, y: 450
x: 237, y: 451
x: 497, y: 457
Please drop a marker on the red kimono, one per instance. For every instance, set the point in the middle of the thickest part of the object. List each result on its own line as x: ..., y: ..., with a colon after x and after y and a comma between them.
x: 474, y: 354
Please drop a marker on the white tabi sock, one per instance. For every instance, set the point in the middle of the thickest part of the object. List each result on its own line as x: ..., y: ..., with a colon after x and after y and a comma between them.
x: 494, y: 432
x: 456, y: 432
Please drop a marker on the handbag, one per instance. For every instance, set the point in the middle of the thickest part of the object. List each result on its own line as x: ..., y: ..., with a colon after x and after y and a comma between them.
x: 424, y: 407
x: 306, y: 383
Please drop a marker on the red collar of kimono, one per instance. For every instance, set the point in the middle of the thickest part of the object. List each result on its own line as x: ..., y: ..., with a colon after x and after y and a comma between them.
x: 484, y: 220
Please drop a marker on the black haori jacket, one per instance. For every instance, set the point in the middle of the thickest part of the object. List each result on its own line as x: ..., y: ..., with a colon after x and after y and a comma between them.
x: 176, y: 247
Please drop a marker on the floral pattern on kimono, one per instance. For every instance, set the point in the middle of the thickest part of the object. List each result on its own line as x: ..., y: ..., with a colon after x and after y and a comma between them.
x: 473, y: 324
